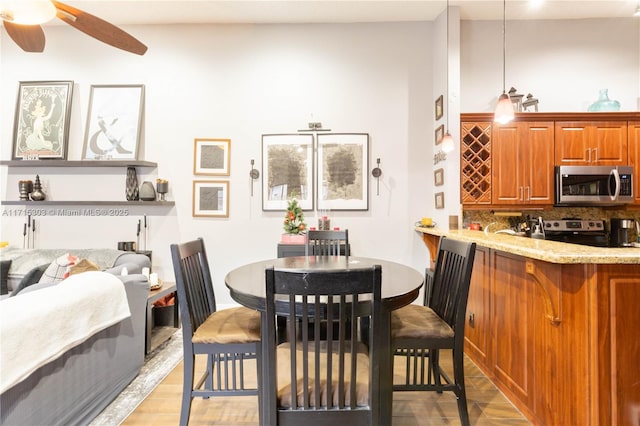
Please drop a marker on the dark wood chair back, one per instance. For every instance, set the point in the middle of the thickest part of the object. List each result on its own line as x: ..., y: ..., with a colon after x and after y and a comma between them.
x: 327, y: 243
x: 196, y: 298
x: 332, y: 379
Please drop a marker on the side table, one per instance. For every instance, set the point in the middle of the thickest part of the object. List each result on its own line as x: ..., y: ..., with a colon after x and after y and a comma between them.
x: 154, y: 336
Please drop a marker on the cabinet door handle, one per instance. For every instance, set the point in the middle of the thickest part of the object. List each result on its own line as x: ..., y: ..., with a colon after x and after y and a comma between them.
x: 528, y: 193
x: 589, y: 152
x: 595, y: 157
x: 521, y: 193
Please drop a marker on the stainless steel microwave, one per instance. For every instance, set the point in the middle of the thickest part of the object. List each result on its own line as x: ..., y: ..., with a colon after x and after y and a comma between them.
x: 593, y: 185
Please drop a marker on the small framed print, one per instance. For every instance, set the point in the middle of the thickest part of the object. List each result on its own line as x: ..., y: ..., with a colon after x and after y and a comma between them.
x: 114, y: 122
x: 41, y: 127
x: 439, y: 134
x: 439, y: 197
x: 439, y: 107
x: 438, y: 177
x: 210, y: 198
x: 211, y: 157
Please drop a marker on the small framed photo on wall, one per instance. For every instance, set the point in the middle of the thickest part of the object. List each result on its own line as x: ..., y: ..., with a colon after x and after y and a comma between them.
x: 438, y: 177
x: 210, y: 198
x: 439, y: 107
x: 439, y: 134
x: 439, y: 197
x: 211, y: 157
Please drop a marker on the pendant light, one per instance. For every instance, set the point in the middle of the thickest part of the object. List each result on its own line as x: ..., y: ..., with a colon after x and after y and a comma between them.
x: 447, y: 141
x: 504, y: 110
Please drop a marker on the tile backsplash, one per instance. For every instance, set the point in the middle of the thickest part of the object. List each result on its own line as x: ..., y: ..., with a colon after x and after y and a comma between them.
x: 496, y: 221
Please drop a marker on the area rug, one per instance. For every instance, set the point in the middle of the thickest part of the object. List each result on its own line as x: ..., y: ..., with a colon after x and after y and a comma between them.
x: 158, y: 364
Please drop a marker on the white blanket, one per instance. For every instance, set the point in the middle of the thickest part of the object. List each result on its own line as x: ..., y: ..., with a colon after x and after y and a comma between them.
x: 39, y: 326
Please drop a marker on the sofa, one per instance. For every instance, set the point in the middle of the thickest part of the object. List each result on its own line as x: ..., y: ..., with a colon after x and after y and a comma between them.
x: 75, y: 385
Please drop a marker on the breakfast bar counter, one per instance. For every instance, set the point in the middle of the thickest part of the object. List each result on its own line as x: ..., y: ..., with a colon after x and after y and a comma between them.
x: 548, y: 251
x: 555, y: 326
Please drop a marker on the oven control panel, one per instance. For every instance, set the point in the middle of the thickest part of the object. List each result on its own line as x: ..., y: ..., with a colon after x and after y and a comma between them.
x: 570, y: 225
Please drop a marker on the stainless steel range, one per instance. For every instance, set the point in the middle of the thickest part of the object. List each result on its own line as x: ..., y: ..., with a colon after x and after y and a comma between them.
x: 577, y: 231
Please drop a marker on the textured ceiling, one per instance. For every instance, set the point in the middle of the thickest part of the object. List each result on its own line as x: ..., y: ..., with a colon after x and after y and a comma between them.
x: 328, y: 11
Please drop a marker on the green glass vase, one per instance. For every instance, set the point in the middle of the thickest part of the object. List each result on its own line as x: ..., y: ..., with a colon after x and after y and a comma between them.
x: 604, y: 103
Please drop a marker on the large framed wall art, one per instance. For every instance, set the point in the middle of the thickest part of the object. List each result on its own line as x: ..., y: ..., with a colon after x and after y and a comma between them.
x: 41, y: 126
x: 114, y: 122
x: 287, y: 171
x: 343, y: 167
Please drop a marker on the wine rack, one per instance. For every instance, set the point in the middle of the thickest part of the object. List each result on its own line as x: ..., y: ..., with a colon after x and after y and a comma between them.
x: 475, y: 163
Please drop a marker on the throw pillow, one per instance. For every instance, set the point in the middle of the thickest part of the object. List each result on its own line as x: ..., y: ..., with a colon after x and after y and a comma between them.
x: 58, y: 270
x: 4, y: 276
x: 83, y: 266
x: 31, y: 277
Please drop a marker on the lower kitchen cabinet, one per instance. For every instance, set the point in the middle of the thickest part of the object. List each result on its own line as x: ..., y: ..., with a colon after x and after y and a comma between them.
x: 560, y: 340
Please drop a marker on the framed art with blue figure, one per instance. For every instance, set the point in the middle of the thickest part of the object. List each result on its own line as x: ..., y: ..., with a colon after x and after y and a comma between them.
x: 41, y: 126
x: 114, y: 122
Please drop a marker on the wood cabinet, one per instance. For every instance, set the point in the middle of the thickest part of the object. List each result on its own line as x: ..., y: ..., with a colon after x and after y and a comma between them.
x: 634, y: 157
x: 522, y: 163
x: 477, y: 332
x: 591, y: 143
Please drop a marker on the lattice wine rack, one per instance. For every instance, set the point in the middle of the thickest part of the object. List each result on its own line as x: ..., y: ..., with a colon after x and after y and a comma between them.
x: 475, y: 167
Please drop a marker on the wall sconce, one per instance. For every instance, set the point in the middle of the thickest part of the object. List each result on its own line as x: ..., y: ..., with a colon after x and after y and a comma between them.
x: 254, y: 174
x: 376, y: 173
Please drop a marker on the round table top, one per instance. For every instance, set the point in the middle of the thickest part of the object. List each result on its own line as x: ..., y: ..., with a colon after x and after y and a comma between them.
x: 400, y: 283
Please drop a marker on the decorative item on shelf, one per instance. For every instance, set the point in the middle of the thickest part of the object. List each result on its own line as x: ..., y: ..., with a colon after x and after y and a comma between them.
x: 516, y: 99
x: 162, y: 187
x: 253, y: 174
x: 131, y: 190
x: 530, y: 102
x: 376, y: 173
x: 147, y: 192
x: 604, y: 103
x: 37, y: 194
x: 25, y: 187
x: 294, y: 225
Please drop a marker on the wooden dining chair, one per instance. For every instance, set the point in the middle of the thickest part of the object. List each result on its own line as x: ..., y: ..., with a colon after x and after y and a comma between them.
x: 228, y: 337
x: 327, y: 243
x: 315, y: 381
x: 420, y: 332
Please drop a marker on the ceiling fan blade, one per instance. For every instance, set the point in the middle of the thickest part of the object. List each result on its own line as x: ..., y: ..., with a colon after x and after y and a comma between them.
x: 30, y: 38
x: 99, y: 29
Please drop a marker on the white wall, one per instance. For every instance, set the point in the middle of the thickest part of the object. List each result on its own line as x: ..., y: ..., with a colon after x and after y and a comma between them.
x: 238, y: 82
x: 562, y: 63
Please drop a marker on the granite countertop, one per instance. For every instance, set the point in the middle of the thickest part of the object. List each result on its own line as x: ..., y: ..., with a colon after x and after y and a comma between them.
x: 548, y: 251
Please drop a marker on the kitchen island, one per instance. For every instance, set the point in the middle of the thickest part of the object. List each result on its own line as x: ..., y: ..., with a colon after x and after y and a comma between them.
x: 555, y: 326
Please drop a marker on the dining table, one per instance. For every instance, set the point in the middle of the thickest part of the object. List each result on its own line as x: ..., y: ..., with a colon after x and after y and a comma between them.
x: 400, y: 286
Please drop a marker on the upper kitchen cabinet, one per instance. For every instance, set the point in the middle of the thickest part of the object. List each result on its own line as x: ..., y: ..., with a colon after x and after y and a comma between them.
x: 634, y: 157
x: 522, y: 163
x: 591, y: 143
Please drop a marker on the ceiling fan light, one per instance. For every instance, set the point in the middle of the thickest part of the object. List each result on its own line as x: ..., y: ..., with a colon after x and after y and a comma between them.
x: 447, y: 143
x: 504, y: 110
x: 28, y: 12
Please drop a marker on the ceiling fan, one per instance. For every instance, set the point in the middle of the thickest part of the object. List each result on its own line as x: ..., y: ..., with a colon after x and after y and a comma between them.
x: 29, y: 36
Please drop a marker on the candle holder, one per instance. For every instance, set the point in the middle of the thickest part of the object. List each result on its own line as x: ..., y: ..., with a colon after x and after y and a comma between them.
x: 162, y: 187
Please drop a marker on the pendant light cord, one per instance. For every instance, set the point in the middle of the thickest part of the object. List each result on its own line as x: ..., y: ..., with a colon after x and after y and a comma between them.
x: 447, y: 66
x: 504, y: 46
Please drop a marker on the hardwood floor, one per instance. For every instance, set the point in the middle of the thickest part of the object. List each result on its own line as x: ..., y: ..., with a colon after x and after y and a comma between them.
x: 487, y: 406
